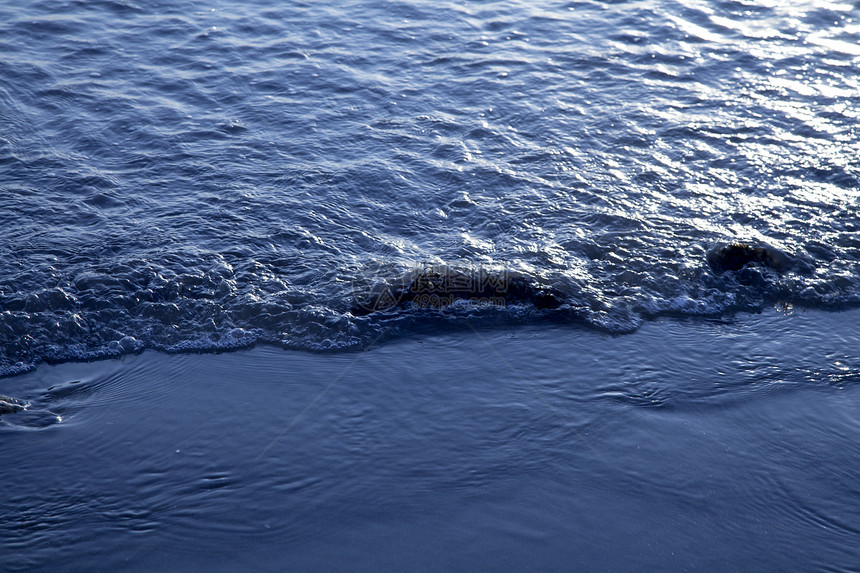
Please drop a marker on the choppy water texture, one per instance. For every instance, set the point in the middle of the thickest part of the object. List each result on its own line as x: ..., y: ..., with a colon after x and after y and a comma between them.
x: 211, y: 175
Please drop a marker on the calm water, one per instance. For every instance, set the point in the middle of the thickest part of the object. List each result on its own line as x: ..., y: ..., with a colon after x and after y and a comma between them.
x: 687, y: 446
x: 187, y: 175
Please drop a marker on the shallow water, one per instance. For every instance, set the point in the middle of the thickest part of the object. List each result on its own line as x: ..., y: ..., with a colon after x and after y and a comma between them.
x: 182, y: 175
x: 686, y: 446
x: 242, y: 176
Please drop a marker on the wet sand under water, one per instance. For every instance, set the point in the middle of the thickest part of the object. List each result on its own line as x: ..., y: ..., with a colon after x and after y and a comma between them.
x: 688, y: 445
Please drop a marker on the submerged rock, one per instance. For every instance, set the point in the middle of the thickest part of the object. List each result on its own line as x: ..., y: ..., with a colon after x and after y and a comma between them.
x: 737, y: 256
x: 10, y: 405
x: 439, y: 287
x: 27, y: 414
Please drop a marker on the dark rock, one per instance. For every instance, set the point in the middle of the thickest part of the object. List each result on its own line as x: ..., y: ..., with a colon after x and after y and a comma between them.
x: 737, y: 256
x: 11, y: 405
x: 439, y: 287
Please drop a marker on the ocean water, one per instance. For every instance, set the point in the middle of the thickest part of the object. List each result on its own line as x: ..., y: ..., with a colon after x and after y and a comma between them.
x: 689, y: 445
x: 278, y: 179
x: 186, y: 175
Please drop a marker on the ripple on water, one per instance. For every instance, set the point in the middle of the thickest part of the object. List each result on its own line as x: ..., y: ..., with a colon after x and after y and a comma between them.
x: 226, y: 173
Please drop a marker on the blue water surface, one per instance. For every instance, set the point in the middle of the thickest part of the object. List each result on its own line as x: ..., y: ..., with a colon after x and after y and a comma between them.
x: 210, y: 175
x: 689, y: 445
